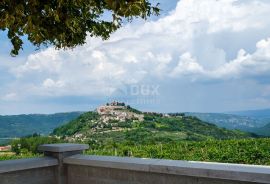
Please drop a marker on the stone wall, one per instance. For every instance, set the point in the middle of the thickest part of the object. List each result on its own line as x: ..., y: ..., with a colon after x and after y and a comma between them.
x: 115, y: 170
x: 28, y: 171
x: 100, y: 175
x: 64, y: 164
x: 31, y: 176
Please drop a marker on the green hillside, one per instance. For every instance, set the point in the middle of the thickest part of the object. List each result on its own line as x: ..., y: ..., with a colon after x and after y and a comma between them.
x: 154, y: 128
x: 22, y: 125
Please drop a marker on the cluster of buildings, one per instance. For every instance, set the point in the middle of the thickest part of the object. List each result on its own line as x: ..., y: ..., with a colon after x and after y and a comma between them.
x: 117, y: 111
x: 110, y: 108
x: 5, y: 148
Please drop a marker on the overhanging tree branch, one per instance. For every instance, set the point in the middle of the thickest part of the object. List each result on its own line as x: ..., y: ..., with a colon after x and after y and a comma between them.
x: 66, y: 23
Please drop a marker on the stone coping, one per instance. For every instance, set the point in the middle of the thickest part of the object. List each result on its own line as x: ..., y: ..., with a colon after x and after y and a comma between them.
x: 63, y: 147
x: 238, y: 172
x: 24, y: 164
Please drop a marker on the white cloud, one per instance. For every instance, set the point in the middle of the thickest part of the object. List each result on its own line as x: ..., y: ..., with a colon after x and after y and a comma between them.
x: 49, y: 83
x: 10, y: 97
x: 247, y: 65
x: 145, y: 51
x: 243, y: 66
x: 45, y: 61
x: 187, y: 66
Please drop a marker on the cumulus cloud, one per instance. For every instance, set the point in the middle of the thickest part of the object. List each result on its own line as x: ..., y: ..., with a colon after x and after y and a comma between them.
x: 243, y: 66
x: 247, y: 65
x: 187, y: 66
x: 194, y: 42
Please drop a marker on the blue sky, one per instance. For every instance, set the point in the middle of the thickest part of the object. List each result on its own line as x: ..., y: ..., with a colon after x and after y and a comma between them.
x: 204, y: 56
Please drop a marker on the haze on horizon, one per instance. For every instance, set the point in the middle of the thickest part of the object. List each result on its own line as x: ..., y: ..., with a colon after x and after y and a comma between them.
x: 198, y: 56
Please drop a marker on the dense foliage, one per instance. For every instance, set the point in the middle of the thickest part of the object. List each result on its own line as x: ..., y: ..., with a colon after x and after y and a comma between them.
x: 11, y: 156
x: 23, y: 125
x: 243, y: 151
x: 29, y: 145
x: 65, y: 24
x: 82, y: 123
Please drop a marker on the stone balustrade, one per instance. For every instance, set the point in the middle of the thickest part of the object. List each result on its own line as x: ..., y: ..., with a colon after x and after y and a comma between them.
x: 65, y: 164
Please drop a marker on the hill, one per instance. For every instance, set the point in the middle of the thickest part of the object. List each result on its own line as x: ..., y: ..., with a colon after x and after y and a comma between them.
x: 124, y: 124
x: 22, y: 125
x: 119, y: 130
x: 228, y: 121
x: 262, y: 113
x: 253, y: 123
x: 263, y: 130
x: 262, y: 116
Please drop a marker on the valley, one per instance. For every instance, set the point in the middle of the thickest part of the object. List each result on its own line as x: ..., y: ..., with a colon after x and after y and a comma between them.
x: 120, y: 130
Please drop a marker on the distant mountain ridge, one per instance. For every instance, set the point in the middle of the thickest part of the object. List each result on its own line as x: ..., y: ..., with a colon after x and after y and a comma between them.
x: 256, y: 121
x: 229, y: 121
x: 22, y: 125
x: 265, y: 130
x: 260, y: 114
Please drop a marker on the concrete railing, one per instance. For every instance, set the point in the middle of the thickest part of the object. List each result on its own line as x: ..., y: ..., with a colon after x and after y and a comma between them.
x: 24, y: 171
x: 64, y: 164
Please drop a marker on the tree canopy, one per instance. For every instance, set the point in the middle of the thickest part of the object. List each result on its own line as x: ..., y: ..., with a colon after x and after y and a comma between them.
x: 66, y: 23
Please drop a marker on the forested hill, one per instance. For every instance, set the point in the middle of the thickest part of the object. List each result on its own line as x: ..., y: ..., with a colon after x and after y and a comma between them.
x: 22, y: 125
x: 132, y: 126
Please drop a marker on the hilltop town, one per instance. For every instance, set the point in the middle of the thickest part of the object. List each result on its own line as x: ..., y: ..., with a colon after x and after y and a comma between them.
x: 111, y: 117
x: 117, y: 111
x: 118, y: 122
